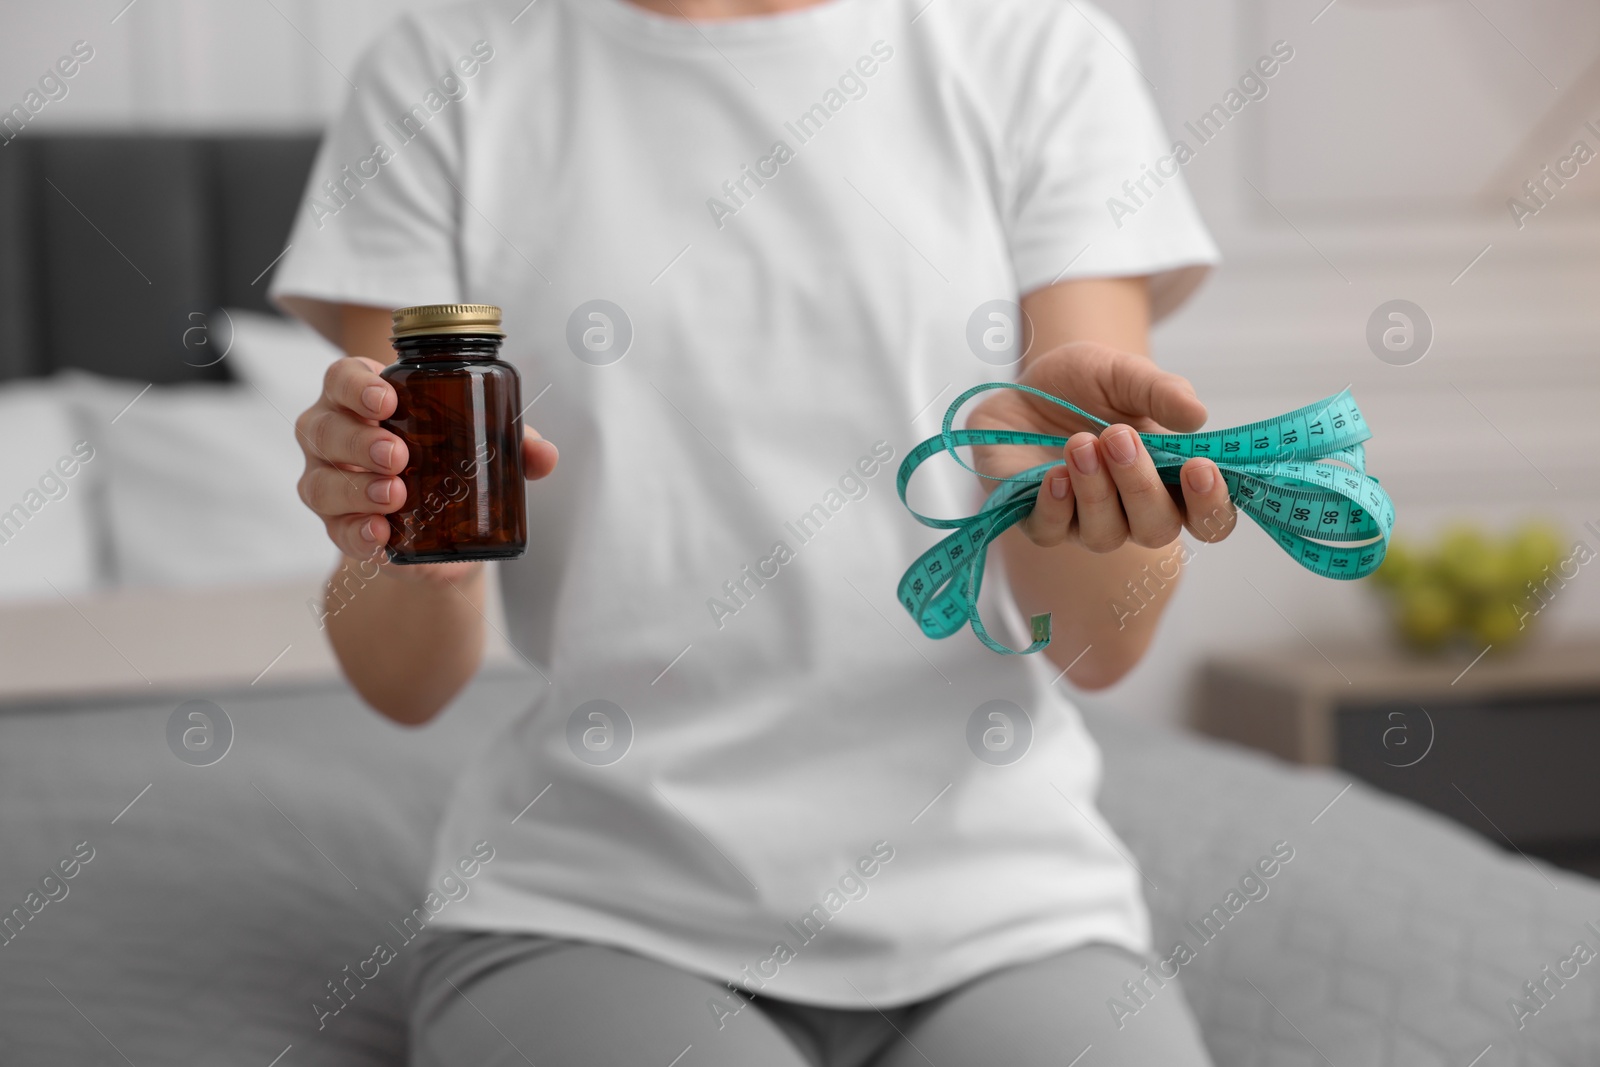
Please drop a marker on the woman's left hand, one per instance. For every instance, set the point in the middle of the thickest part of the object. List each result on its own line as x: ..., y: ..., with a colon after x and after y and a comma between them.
x: 1107, y: 491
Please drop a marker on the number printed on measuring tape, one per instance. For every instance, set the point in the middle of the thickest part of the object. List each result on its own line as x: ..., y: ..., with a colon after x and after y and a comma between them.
x: 1302, y: 477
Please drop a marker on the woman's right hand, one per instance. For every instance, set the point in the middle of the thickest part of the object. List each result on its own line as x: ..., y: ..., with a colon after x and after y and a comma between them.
x: 352, y: 470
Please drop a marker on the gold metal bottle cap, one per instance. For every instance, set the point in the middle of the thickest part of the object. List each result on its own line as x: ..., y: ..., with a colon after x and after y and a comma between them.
x: 447, y: 319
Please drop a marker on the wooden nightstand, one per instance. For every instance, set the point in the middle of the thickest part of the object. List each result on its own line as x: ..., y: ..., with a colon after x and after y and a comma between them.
x: 1509, y: 745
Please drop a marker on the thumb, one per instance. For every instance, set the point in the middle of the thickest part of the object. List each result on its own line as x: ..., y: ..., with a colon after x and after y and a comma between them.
x: 1139, y: 387
x: 1173, y: 404
x: 539, y: 455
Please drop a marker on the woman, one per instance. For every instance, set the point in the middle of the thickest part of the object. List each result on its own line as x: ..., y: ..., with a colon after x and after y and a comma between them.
x: 748, y: 249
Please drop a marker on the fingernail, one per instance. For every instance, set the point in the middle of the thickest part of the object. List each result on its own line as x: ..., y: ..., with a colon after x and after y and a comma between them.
x: 1086, y: 458
x: 383, y: 453
x: 372, y: 396
x: 366, y: 531
x: 379, y: 490
x: 1059, y: 484
x: 1120, y: 444
x: 1201, y: 479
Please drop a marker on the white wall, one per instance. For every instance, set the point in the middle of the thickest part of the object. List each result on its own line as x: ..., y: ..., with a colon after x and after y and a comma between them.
x: 214, y: 64
x: 1389, y: 143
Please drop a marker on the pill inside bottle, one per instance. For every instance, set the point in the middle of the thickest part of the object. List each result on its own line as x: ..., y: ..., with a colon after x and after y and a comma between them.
x: 459, y: 414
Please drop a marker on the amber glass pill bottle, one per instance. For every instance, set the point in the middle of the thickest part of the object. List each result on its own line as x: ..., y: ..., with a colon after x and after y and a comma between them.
x: 459, y: 414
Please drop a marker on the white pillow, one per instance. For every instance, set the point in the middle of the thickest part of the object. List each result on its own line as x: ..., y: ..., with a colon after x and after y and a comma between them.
x: 49, y: 471
x: 201, y: 484
x: 284, y: 358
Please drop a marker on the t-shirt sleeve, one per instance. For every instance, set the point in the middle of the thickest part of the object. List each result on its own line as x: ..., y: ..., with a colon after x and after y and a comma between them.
x: 1087, y: 126
x: 378, y: 223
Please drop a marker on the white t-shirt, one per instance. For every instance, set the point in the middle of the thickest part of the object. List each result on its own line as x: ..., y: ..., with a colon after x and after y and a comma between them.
x: 746, y: 760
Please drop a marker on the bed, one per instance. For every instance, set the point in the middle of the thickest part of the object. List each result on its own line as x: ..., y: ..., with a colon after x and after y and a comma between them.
x: 221, y: 899
x: 218, y: 885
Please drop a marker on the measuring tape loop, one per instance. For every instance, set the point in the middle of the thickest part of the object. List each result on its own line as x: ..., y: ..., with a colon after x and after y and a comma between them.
x: 1302, y: 477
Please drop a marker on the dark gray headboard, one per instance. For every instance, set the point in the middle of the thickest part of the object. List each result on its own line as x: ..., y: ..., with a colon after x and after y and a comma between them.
x: 110, y: 243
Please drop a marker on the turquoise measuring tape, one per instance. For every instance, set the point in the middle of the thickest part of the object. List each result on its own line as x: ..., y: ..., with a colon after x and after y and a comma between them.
x: 1302, y: 477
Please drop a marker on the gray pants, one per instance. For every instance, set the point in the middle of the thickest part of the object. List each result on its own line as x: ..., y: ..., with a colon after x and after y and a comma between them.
x: 481, y: 999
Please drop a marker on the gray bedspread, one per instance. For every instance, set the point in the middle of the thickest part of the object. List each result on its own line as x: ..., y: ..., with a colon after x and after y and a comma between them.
x: 218, y: 905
